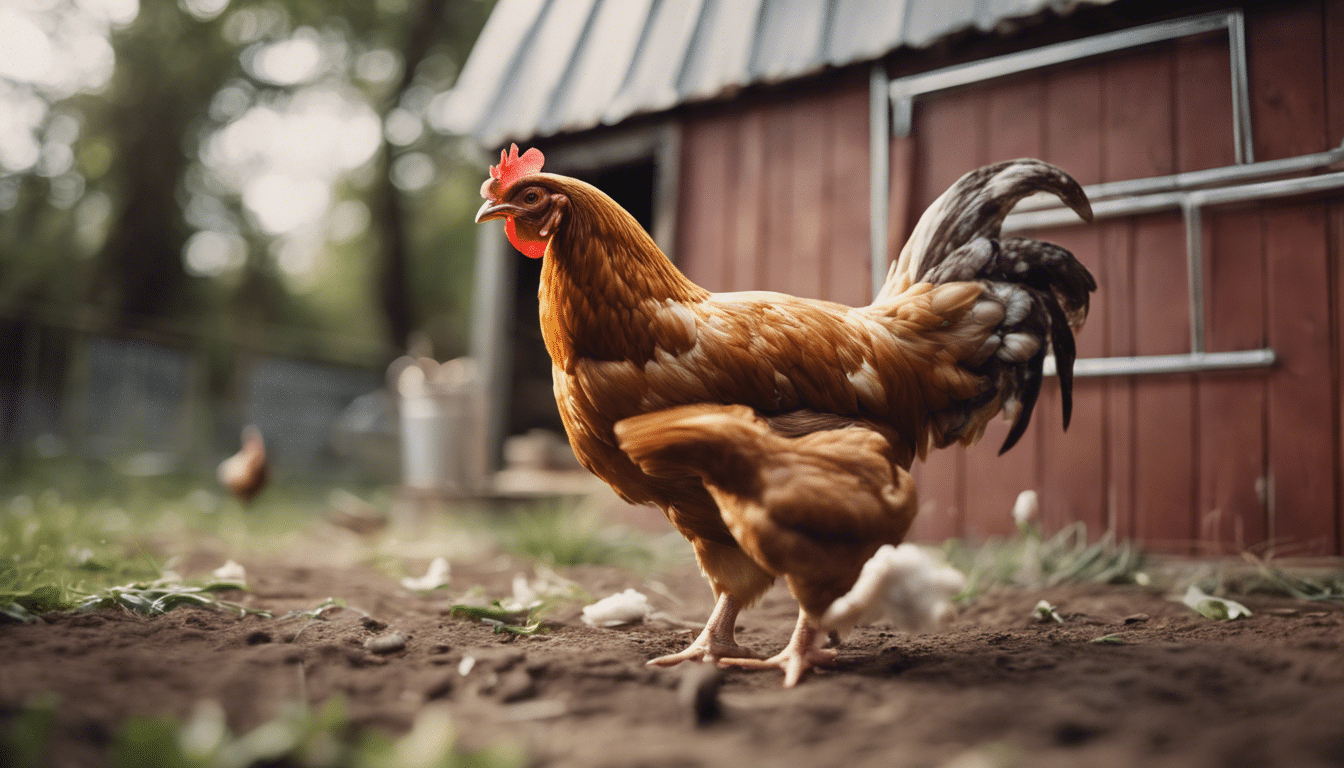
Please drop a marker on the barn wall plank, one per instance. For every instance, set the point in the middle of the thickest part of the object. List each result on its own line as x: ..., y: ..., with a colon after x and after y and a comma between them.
x: 1334, y: 93
x: 1073, y: 463
x: 902, y: 215
x: 1203, y: 105
x: 1285, y: 58
x: 1301, y: 391
x: 807, y: 268
x: 1229, y: 514
x: 1137, y: 142
x: 942, y: 509
x: 1015, y: 118
x: 1232, y: 440
x: 1073, y: 472
x: 706, y: 152
x: 746, y: 210
x: 1117, y: 294
x: 949, y: 132
x: 1073, y: 120
x: 1334, y: 72
x: 993, y: 482
x: 848, y: 271
x: 778, y: 214
x: 1164, y: 428
x: 1336, y: 249
x: 1137, y: 115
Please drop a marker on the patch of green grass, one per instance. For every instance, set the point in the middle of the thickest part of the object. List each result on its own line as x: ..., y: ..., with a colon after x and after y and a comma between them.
x: 521, y: 621
x: 52, y: 552
x: 1303, y: 585
x: 565, y: 534
x: 163, y: 595
x: 1028, y: 560
x: 1252, y: 575
x: 71, y: 529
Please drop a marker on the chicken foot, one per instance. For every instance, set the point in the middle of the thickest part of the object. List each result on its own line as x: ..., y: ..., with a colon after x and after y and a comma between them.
x: 801, y: 654
x: 716, y: 640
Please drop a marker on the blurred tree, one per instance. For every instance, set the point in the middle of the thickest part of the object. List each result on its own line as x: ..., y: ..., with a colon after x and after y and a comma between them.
x: 168, y: 67
x: 253, y: 172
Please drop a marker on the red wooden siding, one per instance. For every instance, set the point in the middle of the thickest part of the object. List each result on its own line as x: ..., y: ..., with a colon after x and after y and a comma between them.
x: 774, y: 196
x: 1233, y: 451
x: 1078, y: 491
x: 770, y: 202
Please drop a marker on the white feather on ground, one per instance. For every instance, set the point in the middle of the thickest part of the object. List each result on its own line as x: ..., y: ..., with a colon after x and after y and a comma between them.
x: 626, y: 607
x: 904, y: 586
x: 436, y: 576
x: 230, y: 571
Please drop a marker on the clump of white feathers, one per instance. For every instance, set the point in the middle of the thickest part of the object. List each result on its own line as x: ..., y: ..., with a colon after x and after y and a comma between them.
x: 628, y: 607
x: 907, y: 587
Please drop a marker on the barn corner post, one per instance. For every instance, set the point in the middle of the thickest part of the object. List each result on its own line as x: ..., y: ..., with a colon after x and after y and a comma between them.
x: 879, y: 171
x: 493, y: 308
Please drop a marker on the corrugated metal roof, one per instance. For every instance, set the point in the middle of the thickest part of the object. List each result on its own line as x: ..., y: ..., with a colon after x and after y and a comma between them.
x: 547, y: 66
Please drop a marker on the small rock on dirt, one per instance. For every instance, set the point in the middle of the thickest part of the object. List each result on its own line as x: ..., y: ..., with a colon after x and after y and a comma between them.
x: 699, y: 692
x: 388, y: 643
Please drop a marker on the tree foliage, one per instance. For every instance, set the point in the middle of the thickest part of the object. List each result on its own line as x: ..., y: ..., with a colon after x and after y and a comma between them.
x: 155, y: 202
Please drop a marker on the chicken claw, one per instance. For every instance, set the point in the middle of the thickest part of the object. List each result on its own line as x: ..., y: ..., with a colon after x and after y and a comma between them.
x: 704, y: 650
x: 715, y: 641
x: 800, y: 655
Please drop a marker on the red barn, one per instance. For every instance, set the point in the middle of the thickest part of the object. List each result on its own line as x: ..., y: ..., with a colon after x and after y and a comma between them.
x: 791, y: 146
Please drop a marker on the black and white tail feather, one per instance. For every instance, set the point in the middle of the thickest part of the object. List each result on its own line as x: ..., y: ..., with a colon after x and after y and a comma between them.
x: 1045, y: 291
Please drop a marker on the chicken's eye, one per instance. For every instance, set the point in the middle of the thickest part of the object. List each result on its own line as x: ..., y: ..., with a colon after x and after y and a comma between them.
x: 531, y: 197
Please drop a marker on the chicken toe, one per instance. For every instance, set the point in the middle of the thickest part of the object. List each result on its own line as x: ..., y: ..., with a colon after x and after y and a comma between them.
x: 801, y: 654
x: 716, y: 640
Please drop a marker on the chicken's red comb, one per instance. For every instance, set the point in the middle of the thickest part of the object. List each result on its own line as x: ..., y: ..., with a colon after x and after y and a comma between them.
x: 512, y: 167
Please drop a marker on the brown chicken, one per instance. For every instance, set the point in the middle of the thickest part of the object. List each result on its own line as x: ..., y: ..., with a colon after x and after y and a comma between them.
x: 812, y: 509
x: 244, y: 473
x: 958, y: 333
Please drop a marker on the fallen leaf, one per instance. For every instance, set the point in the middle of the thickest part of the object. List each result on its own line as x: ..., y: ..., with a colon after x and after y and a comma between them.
x: 1216, y: 608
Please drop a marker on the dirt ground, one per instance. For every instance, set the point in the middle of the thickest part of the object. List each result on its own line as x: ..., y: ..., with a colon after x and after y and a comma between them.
x: 996, y: 689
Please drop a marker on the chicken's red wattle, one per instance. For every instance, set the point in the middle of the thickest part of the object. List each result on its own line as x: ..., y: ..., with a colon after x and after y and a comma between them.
x: 532, y: 249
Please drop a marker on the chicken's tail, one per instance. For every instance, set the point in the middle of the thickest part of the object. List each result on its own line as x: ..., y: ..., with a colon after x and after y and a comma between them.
x: 975, y: 207
x: 721, y: 443
x: 1044, y: 291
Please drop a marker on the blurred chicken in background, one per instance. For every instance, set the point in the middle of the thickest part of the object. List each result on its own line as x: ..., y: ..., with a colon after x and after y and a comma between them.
x: 244, y: 473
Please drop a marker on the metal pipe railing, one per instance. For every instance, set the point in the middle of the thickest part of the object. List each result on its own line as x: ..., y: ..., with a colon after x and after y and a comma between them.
x: 1185, y: 191
x: 1191, y: 180
x: 1189, y: 362
x: 903, y: 91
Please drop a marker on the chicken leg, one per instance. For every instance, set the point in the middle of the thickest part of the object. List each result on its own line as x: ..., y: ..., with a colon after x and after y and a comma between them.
x: 801, y: 654
x: 716, y: 640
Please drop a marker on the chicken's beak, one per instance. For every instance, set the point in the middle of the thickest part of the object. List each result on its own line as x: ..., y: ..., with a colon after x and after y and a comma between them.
x: 492, y: 210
